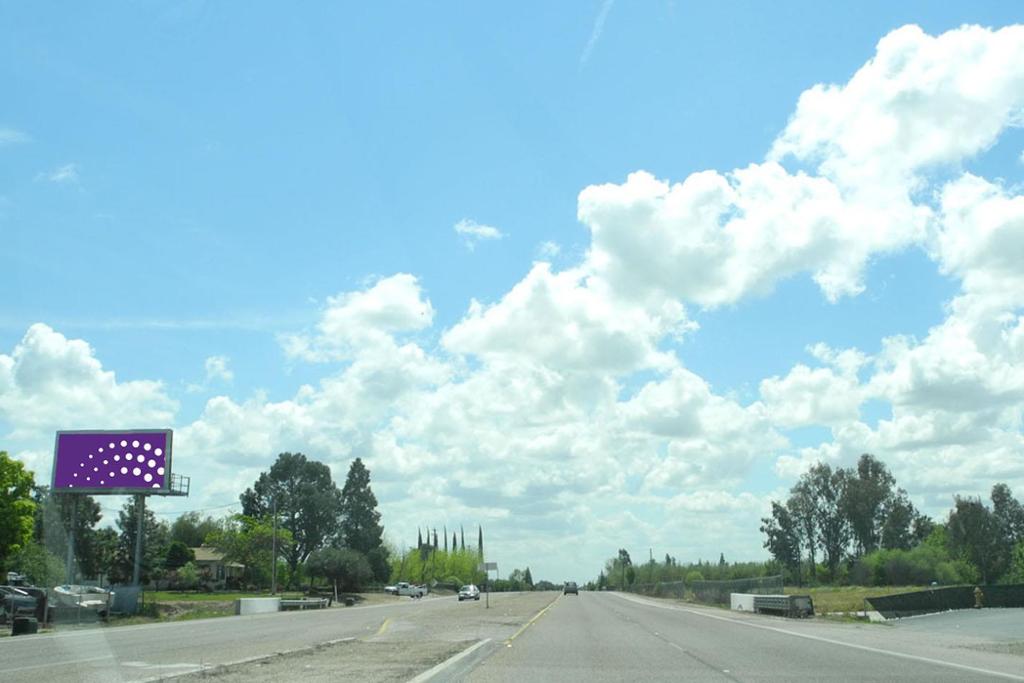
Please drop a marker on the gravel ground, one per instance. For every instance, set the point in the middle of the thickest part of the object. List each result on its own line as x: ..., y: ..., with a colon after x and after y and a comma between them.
x: 401, y: 648
x: 374, y: 662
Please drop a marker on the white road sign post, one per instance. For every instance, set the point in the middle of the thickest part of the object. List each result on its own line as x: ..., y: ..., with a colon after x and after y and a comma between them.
x: 486, y: 568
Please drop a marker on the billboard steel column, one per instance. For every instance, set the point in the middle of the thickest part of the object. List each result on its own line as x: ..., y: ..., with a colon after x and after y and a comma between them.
x: 273, y: 556
x: 69, y: 568
x: 140, y: 511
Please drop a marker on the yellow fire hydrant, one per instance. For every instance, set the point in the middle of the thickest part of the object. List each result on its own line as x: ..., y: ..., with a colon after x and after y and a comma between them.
x: 979, y: 598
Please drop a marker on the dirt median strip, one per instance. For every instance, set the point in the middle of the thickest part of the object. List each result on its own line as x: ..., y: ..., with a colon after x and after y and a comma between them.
x: 451, y: 661
x: 346, y: 660
x: 217, y: 669
x: 405, y: 645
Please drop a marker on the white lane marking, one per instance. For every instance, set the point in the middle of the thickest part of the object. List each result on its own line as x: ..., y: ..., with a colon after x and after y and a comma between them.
x: 820, y: 639
x: 147, y: 665
x: 430, y: 673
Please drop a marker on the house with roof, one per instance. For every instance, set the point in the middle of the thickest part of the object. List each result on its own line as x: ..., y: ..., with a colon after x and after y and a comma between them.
x: 214, y: 570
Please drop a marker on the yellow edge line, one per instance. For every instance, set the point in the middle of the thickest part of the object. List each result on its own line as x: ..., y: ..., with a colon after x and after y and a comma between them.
x: 384, y: 626
x: 536, y: 616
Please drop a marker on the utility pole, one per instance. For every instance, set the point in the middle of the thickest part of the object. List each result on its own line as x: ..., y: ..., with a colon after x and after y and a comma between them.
x: 273, y: 552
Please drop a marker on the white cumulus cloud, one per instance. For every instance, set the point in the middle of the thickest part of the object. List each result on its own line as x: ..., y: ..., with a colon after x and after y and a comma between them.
x: 473, y: 232
x: 359, y: 319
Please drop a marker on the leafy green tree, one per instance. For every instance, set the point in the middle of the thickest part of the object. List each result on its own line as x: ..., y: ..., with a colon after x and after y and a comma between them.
x: 975, y: 536
x: 39, y: 565
x: 922, y: 527
x: 178, y: 555
x: 16, y: 508
x: 456, y: 567
x: 617, y: 568
x: 188, y: 575
x: 803, y: 508
x: 105, y: 542
x: 897, y: 528
x: 53, y: 519
x: 154, y: 544
x: 832, y: 526
x: 1009, y: 514
x: 343, y: 567
x: 866, y: 492
x: 783, y: 538
x: 192, y: 529
x: 1016, y: 572
x: 520, y: 580
x: 249, y: 542
x: 308, y: 504
x: 360, y: 521
x: 380, y: 564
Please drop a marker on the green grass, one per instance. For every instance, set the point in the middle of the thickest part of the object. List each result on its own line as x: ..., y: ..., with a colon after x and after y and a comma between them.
x: 191, y: 596
x: 200, y: 611
x: 161, y: 606
x: 846, y: 598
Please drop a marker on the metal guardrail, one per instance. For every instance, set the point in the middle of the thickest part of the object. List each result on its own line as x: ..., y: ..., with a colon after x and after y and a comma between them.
x: 306, y: 603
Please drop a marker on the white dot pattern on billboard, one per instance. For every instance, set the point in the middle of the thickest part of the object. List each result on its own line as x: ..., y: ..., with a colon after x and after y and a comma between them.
x: 135, y: 460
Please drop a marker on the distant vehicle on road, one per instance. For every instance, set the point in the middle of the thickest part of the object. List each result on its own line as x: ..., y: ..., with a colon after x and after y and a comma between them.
x: 571, y: 587
x: 403, y: 588
x: 469, y: 592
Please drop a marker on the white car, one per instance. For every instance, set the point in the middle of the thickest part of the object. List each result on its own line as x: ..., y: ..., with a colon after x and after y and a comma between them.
x: 469, y: 592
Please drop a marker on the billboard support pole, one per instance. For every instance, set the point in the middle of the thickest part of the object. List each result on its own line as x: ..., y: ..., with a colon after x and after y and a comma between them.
x: 273, y: 554
x: 69, y: 567
x: 140, y: 512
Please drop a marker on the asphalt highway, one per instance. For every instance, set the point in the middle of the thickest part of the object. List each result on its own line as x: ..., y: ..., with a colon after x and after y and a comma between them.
x: 610, y: 637
x: 591, y: 637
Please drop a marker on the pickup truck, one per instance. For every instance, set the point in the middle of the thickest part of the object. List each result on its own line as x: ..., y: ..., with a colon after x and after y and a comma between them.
x: 403, y: 588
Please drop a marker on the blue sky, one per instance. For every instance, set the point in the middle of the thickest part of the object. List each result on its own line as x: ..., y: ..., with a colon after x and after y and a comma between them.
x: 184, y: 181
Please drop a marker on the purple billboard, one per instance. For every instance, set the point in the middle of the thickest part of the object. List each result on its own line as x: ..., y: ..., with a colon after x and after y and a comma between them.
x: 116, y: 462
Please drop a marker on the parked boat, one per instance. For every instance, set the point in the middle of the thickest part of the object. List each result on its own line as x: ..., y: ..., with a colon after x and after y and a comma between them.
x: 84, y: 597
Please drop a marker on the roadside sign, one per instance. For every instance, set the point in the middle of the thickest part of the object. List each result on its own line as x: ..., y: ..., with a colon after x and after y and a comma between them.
x: 487, y: 567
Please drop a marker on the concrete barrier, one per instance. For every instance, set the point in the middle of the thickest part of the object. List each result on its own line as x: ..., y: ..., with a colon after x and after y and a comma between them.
x: 257, y: 605
x: 741, y: 602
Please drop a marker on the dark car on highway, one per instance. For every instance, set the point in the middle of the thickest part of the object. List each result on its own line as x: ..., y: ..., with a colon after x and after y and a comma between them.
x: 570, y: 587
